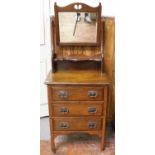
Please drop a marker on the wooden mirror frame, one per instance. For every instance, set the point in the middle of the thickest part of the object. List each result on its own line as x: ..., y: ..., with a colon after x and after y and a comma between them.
x: 85, y: 8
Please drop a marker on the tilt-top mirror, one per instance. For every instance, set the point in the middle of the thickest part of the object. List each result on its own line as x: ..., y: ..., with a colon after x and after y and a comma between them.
x: 78, y: 24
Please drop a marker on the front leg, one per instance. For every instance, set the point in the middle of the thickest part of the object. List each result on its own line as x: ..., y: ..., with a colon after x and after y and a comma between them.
x: 53, y: 144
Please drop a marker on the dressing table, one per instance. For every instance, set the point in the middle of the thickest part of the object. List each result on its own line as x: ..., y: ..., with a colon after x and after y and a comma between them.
x: 78, y: 87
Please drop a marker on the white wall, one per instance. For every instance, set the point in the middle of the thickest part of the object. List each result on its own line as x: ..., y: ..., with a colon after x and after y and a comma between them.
x: 45, y: 54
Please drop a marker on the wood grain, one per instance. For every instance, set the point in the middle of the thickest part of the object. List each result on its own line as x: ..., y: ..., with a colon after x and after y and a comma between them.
x: 76, y: 109
x: 80, y: 93
x: 76, y: 53
x: 77, y: 123
x: 71, y: 77
x: 109, y: 63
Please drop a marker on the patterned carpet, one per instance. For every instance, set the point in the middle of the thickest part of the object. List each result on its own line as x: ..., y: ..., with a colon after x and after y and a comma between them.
x: 79, y: 144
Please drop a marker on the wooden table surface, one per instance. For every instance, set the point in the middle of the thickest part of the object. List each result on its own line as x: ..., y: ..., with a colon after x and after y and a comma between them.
x: 77, y: 77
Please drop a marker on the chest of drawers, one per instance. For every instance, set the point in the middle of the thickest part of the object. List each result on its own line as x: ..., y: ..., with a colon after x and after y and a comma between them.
x: 77, y: 104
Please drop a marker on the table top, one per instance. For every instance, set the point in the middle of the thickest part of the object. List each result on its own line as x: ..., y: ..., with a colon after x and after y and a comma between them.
x: 77, y: 77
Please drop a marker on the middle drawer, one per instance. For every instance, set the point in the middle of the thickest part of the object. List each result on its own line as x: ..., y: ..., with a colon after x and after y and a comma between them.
x: 76, y: 109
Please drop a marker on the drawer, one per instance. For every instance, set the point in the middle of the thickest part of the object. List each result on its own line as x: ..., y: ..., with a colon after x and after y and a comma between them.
x: 76, y: 109
x: 77, y: 93
x: 77, y: 124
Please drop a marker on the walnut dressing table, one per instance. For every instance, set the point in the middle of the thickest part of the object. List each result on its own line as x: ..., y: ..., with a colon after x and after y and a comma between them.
x: 77, y: 85
x: 77, y: 103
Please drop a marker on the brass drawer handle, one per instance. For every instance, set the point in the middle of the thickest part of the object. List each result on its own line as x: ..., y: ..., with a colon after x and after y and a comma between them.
x: 92, y: 110
x: 92, y: 125
x: 64, y: 125
x: 64, y: 110
x: 92, y: 93
x: 63, y: 94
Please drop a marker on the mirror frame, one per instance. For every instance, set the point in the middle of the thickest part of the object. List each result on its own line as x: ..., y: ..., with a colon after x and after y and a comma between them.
x: 85, y: 8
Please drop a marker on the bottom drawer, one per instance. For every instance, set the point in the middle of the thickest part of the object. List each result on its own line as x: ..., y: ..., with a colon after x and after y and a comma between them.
x: 77, y: 124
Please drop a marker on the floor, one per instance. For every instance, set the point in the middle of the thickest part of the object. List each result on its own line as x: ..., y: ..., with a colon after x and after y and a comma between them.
x: 75, y: 144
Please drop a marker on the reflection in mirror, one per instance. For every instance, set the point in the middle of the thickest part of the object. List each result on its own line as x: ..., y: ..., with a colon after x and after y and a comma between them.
x: 78, y: 27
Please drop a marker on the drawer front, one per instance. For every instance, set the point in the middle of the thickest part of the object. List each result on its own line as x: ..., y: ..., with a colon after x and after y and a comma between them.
x: 76, y: 109
x: 77, y: 124
x: 78, y: 93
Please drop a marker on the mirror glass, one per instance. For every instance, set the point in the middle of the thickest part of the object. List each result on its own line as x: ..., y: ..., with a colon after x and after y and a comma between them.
x: 77, y: 27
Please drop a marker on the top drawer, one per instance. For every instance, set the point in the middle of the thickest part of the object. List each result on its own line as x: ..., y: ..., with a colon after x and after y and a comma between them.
x: 77, y: 93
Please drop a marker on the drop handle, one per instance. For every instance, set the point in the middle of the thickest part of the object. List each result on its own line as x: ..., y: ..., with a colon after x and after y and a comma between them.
x: 92, y: 125
x: 92, y: 93
x: 63, y: 94
x: 64, y: 110
x: 92, y: 110
x: 64, y: 125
